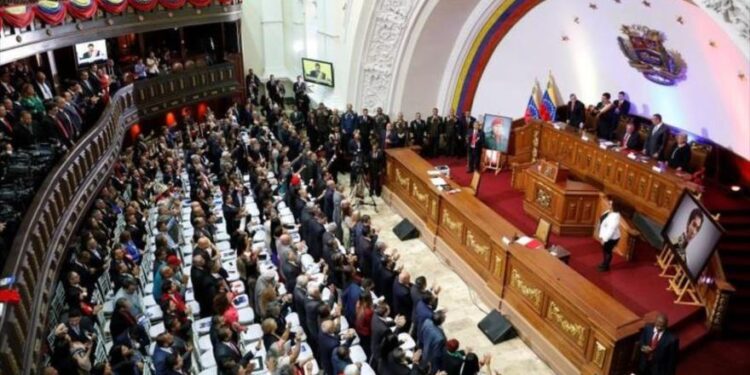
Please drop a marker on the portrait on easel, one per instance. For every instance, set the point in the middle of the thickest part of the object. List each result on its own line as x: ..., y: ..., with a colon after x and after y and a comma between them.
x: 497, y: 132
x: 692, y: 233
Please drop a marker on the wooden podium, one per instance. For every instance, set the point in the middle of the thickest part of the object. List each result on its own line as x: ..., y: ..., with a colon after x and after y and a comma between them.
x: 571, y: 206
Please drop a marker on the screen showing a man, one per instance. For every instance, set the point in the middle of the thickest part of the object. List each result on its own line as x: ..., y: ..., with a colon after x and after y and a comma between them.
x: 693, y: 234
x: 497, y: 132
x: 91, y: 51
x: 317, y: 72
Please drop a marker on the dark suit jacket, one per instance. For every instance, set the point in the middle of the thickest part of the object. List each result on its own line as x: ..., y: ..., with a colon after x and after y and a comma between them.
x: 378, y: 329
x: 480, y: 141
x: 664, y: 358
x: 84, y: 327
x: 680, y: 158
x: 655, y: 142
x: 6, y: 93
x: 634, y: 142
x: 24, y: 138
x: 51, y: 131
x: 576, y: 115
x: 621, y: 109
x: 224, y: 354
x: 38, y: 89
x: 204, y: 287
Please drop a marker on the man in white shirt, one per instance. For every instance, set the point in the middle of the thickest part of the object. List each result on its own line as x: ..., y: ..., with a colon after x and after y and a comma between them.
x: 609, y: 233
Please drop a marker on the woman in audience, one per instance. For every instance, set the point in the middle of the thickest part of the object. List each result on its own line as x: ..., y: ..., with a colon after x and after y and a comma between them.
x: 31, y: 102
x: 223, y: 306
x: 363, y: 323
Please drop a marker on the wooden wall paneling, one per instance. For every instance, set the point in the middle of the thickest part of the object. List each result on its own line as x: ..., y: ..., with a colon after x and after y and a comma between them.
x: 478, y: 248
x: 452, y: 228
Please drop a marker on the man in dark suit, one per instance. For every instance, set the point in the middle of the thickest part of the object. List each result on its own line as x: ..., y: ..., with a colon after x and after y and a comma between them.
x: 299, y: 88
x: 679, y: 159
x: 365, y: 125
x: 631, y: 140
x: 657, y: 137
x: 54, y: 129
x: 658, y: 349
x: 465, y: 125
x: 621, y: 106
x: 576, y: 112
x: 474, y: 144
x: 80, y: 328
x: 26, y: 132
x: 417, y: 131
x: 228, y: 355
x: 379, y: 328
x: 204, y: 285
x: 43, y: 88
x: 89, y: 86
x: 252, y: 84
x: 6, y: 127
x: 69, y: 115
x: 328, y: 341
x: 402, y: 303
x: 6, y: 86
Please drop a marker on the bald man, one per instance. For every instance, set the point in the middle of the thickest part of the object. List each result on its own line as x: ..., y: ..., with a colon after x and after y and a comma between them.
x: 658, y: 348
x: 205, y: 286
x: 402, y: 303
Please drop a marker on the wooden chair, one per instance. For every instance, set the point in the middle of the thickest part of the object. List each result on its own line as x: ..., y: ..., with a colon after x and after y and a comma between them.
x: 474, y: 186
x: 543, y: 229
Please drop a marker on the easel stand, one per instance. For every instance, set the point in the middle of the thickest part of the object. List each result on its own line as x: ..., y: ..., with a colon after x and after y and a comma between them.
x: 684, y: 289
x: 677, y: 279
x: 494, y: 160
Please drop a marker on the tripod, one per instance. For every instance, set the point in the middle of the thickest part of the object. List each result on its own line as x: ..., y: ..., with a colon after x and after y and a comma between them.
x: 357, y: 195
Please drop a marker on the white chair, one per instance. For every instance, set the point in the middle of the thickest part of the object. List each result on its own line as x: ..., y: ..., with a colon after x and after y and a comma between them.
x: 195, y: 307
x: 210, y: 371
x: 293, y: 319
x: 154, y: 313
x: 156, y: 330
x: 366, y: 369
x: 357, y: 354
x: 246, y: 315
x: 253, y: 333
x: 237, y: 287
x: 204, y: 343
x: 407, y: 343
x: 149, y: 301
x: 207, y: 360
x: 202, y: 326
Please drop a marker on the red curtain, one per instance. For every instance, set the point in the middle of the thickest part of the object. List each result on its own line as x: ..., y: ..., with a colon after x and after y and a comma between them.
x: 113, y: 6
x: 81, y: 9
x: 200, y: 3
x: 225, y: 2
x: 143, y: 5
x: 18, y: 16
x: 50, y: 12
x: 172, y: 4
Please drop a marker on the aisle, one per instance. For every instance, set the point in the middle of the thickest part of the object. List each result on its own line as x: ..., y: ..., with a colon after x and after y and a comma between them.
x: 464, y: 309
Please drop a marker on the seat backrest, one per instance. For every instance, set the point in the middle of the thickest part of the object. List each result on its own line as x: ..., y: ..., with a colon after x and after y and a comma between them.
x: 543, y: 229
x: 475, y: 179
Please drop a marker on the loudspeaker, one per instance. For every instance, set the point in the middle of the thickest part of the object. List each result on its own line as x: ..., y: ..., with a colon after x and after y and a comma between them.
x: 496, y: 327
x: 405, y: 230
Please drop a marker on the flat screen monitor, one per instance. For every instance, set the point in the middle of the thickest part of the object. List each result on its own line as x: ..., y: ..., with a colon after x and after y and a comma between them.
x: 496, y: 132
x: 317, y: 71
x: 692, y: 233
x: 91, y: 52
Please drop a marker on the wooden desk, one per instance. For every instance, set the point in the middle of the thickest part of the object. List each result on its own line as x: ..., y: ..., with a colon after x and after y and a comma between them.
x: 570, y: 206
x: 633, y: 182
x: 570, y: 322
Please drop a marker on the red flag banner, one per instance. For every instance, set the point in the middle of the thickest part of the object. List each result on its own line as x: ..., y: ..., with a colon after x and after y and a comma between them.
x: 50, y: 12
x: 200, y: 3
x: 113, y: 6
x: 18, y: 16
x: 172, y: 4
x: 81, y: 9
x: 143, y: 5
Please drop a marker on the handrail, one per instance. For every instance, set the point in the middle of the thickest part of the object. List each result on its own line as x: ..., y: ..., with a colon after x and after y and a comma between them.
x: 40, y: 247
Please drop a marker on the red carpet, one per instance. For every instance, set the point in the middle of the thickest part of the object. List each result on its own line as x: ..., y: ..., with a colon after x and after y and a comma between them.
x: 636, y: 284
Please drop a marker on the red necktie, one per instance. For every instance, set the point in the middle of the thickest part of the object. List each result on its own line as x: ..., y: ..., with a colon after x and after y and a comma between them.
x: 654, y: 342
x: 62, y: 128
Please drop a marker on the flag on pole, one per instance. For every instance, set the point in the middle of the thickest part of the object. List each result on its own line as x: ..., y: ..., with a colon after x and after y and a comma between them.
x: 548, y: 109
x: 532, y: 109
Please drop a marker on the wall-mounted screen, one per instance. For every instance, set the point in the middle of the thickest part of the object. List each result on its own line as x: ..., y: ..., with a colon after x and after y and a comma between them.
x: 693, y: 234
x: 91, y: 52
x: 317, y: 71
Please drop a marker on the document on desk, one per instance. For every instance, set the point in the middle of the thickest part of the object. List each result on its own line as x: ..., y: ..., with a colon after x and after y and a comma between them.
x: 438, y: 181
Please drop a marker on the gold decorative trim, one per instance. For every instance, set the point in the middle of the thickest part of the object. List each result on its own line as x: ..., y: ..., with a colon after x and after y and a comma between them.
x: 421, y: 197
x: 498, y: 270
x: 402, y: 181
x: 600, y: 352
x: 532, y: 294
x: 453, y: 226
x: 574, y: 330
x: 543, y: 198
x: 434, y: 209
x: 472, y: 243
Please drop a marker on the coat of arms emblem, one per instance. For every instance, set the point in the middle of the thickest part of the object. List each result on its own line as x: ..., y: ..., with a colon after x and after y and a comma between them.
x: 645, y: 51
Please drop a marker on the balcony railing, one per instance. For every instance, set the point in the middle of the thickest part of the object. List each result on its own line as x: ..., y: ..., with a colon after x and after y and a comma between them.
x: 39, y: 37
x: 40, y: 247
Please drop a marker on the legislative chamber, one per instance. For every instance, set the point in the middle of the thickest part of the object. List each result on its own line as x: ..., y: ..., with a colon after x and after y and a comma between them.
x: 327, y: 187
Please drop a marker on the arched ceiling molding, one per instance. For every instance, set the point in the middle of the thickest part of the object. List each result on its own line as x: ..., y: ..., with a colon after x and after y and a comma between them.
x: 382, y: 50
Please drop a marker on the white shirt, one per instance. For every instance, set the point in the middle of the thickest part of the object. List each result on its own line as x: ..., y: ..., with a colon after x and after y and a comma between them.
x: 609, y: 229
